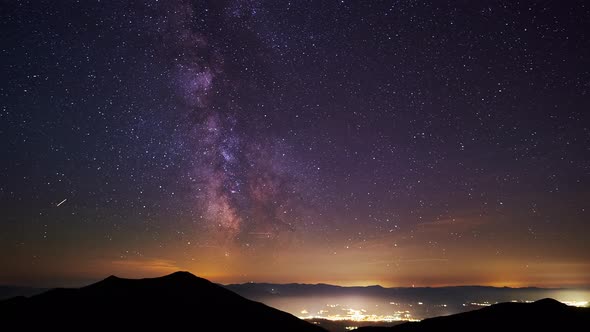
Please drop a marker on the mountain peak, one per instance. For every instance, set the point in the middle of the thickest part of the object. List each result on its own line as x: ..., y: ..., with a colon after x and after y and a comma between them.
x: 181, y: 274
x: 175, y: 276
x: 173, y: 302
x: 549, y: 302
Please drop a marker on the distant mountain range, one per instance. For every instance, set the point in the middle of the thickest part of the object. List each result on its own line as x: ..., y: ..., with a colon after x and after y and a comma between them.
x: 542, y: 315
x: 437, y: 294
x: 184, y: 301
x: 176, y: 301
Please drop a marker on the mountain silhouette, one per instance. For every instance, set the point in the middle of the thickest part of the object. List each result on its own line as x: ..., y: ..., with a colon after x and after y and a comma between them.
x: 7, y: 292
x: 176, y: 301
x: 542, y: 315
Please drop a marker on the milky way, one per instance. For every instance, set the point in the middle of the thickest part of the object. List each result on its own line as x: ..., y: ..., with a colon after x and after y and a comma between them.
x: 241, y: 189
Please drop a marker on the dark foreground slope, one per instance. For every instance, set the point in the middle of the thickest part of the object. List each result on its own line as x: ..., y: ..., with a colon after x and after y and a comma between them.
x: 177, y: 301
x: 542, y: 315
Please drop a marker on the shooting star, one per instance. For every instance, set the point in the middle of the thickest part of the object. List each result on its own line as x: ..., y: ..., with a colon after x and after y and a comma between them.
x: 60, y: 203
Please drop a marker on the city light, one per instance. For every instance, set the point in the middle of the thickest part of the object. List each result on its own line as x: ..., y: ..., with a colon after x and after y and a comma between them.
x: 357, y: 315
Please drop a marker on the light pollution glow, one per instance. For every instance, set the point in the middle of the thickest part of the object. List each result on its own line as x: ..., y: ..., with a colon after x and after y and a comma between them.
x: 303, y: 262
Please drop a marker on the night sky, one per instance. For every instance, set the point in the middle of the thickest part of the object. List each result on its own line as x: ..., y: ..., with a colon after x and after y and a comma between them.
x: 350, y: 142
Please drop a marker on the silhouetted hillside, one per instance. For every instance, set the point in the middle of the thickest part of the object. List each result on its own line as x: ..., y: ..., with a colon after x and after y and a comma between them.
x: 542, y: 315
x: 7, y: 292
x: 177, y: 301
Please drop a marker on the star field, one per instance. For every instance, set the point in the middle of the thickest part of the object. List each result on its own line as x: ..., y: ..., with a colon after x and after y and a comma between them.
x: 390, y: 142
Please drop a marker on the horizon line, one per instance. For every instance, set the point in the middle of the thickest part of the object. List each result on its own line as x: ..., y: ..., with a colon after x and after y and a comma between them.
x: 81, y: 282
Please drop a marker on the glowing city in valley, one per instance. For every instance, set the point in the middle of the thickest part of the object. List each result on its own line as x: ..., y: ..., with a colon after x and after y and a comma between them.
x: 356, y: 316
x: 336, y: 312
x: 391, y: 305
x: 581, y: 304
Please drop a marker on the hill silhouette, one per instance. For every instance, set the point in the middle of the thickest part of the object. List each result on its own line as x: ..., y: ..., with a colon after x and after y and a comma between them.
x: 7, y: 292
x: 176, y: 301
x: 542, y: 315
